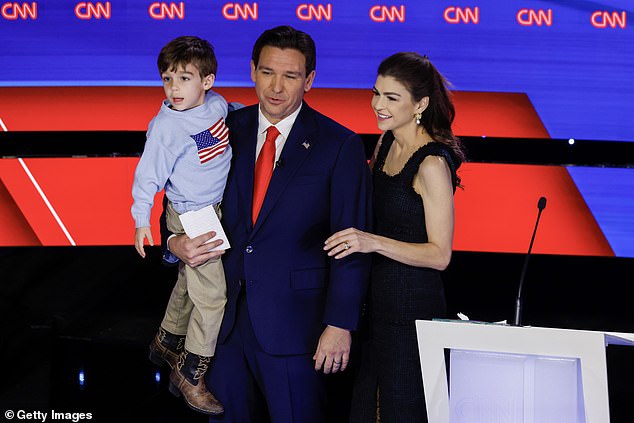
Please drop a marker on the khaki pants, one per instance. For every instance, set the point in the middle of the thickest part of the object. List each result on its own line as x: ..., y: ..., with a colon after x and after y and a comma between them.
x: 197, y: 302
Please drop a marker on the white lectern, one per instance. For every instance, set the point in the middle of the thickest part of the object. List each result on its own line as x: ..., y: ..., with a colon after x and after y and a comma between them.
x: 587, y: 348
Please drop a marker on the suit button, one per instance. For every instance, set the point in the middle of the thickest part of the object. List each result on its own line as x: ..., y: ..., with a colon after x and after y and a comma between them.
x: 249, y: 249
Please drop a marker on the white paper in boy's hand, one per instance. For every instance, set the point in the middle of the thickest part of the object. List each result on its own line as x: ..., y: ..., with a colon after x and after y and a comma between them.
x: 202, y: 221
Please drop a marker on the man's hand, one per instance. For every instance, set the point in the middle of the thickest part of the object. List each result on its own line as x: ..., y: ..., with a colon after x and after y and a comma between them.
x: 333, y: 350
x: 194, y: 251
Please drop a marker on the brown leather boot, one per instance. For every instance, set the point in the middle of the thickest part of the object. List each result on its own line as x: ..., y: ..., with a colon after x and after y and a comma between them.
x: 165, y: 348
x: 187, y: 378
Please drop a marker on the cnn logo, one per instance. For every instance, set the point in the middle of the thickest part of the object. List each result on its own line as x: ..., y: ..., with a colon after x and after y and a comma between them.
x: 14, y: 11
x: 457, y: 15
x: 88, y: 10
x: 603, y: 19
x: 235, y: 11
x: 310, y: 12
x: 159, y: 10
x: 380, y: 13
x: 530, y: 17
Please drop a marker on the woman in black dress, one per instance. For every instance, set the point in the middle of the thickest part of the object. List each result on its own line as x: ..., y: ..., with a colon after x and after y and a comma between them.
x: 414, y: 174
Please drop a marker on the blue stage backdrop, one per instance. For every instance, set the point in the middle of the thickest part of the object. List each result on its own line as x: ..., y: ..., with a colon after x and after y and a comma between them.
x: 574, y: 59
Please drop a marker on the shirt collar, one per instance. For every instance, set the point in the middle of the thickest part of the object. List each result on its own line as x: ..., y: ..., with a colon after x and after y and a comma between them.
x: 284, y: 126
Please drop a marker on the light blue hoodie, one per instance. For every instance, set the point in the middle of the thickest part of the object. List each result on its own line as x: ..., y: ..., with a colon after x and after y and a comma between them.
x: 171, y: 160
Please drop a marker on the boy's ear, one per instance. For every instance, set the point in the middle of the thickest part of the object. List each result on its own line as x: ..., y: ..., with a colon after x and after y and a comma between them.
x: 208, y: 81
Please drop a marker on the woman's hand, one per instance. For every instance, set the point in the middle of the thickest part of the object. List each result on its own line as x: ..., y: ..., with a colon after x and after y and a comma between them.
x: 343, y: 243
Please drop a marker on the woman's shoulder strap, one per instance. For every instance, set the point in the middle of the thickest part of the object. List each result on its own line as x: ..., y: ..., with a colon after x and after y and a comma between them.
x: 435, y: 148
x: 386, y: 141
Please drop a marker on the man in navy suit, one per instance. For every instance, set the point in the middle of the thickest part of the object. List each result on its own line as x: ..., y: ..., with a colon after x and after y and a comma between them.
x: 290, y: 308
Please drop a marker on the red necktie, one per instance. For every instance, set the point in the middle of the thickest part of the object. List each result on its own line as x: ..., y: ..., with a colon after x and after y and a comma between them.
x: 263, y: 170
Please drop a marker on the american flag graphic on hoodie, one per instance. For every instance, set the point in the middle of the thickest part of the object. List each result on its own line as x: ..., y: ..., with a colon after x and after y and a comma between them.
x: 212, y: 142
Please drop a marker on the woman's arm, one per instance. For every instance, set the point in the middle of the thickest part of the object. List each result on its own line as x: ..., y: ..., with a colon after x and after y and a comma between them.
x: 433, y: 183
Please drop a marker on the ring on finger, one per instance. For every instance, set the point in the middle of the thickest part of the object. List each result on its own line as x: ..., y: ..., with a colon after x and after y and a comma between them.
x: 346, y: 245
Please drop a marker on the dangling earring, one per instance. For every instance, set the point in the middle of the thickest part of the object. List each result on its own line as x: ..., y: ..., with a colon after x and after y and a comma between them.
x: 417, y: 116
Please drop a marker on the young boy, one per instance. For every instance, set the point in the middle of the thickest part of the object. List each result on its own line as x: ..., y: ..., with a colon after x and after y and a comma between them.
x: 187, y: 153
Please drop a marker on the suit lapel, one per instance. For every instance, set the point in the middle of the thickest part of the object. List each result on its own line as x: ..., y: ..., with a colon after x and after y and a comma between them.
x: 296, y: 149
x: 247, y: 130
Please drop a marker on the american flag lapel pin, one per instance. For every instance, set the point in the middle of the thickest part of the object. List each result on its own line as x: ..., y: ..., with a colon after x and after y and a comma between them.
x: 306, y: 145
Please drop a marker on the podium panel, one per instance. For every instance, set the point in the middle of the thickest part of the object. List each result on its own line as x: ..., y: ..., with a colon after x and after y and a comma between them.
x: 585, y: 348
x: 489, y: 387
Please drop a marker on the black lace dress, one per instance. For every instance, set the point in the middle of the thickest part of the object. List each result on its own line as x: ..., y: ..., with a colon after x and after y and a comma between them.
x: 399, y: 294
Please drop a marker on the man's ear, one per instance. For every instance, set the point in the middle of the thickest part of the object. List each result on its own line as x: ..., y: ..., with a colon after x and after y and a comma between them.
x: 309, y: 81
x: 253, y: 71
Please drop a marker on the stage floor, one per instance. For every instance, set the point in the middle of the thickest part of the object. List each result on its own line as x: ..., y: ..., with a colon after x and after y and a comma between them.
x: 92, y: 311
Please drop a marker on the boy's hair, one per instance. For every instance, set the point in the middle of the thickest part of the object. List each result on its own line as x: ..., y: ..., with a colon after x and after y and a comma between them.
x: 284, y: 37
x: 186, y: 50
